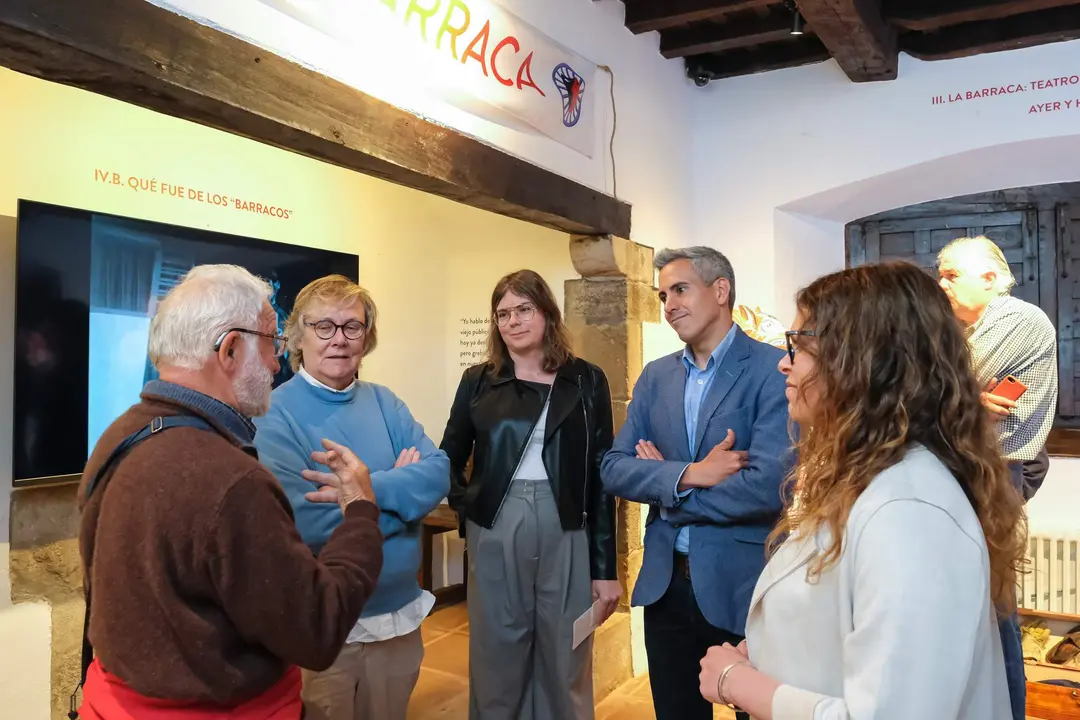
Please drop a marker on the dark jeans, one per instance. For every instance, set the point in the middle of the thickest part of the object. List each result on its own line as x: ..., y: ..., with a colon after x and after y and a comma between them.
x: 1014, y: 664
x: 677, y: 637
x: 1011, y: 642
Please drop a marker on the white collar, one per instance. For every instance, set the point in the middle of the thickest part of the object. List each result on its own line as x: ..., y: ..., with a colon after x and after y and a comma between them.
x: 307, y: 376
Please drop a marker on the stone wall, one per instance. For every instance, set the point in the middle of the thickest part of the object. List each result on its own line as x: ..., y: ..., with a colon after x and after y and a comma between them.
x: 44, y: 566
x: 604, y: 312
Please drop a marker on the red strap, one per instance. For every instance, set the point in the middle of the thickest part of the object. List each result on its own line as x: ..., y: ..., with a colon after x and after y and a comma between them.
x: 107, y: 697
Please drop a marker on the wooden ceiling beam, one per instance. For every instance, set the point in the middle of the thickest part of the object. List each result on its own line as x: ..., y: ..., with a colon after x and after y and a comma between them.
x: 857, y: 35
x: 923, y: 15
x: 762, y: 58
x: 1018, y: 31
x: 139, y: 53
x: 720, y: 37
x: 647, y: 15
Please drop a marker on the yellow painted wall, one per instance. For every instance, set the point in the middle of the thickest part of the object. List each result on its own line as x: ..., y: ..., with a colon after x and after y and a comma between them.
x: 427, y: 261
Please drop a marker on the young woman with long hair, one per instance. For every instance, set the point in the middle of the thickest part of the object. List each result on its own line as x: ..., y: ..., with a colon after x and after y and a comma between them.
x: 539, y: 529
x: 899, y: 548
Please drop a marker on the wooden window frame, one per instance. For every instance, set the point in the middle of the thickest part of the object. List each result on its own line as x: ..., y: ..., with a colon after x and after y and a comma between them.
x: 1048, y: 207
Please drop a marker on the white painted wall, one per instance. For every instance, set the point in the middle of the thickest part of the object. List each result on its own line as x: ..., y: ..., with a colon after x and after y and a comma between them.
x: 24, y: 659
x: 782, y: 161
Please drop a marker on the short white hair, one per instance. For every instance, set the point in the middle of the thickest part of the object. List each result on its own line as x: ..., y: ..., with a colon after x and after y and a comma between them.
x: 988, y: 255
x: 207, y: 302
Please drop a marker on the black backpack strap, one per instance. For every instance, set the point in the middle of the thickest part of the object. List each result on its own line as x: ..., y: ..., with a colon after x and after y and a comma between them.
x: 100, y: 479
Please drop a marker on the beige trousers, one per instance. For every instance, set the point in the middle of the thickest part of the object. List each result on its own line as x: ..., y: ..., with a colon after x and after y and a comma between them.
x: 368, y: 681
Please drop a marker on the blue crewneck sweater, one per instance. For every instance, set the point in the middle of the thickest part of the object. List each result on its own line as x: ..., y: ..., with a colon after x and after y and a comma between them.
x: 376, y: 425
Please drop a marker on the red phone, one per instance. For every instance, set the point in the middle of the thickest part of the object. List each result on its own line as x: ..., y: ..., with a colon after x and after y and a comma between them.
x: 1010, y: 388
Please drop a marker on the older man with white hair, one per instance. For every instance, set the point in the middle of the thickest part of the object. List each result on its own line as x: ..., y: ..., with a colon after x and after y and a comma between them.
x: 1008, y: 337
x: 205, y: 599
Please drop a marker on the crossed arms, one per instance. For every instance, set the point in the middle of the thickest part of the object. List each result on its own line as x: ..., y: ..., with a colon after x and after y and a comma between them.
x: 706, y: 494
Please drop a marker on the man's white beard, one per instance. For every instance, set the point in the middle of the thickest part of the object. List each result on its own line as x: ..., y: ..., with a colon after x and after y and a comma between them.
x: 253, y: 386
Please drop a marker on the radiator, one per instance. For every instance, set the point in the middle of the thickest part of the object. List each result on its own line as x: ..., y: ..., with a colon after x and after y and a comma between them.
x: 1049, y: 582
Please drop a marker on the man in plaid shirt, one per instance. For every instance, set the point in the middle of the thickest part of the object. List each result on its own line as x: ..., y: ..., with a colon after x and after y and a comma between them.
x: 1007, y: 336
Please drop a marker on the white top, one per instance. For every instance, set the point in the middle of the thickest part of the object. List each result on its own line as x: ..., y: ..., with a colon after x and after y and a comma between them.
x: 392, y: 624
x: 531, y: 466
x: 902, y: 626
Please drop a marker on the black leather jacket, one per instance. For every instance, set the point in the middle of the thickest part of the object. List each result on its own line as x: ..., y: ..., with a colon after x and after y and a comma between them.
x: 492, y: 418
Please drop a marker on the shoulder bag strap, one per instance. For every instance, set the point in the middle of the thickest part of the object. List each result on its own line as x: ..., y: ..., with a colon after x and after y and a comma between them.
x: 100, y: 479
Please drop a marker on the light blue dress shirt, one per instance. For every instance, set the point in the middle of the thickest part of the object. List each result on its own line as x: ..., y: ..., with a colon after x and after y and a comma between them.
x: 698, y: 382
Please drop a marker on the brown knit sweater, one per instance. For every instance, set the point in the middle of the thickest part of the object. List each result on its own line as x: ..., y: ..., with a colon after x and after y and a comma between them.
x: 202, y: 589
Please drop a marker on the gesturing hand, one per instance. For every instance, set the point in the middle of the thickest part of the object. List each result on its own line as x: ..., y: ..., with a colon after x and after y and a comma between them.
x: 721, y: 463
x: 408, y: 456
x: 348, y: 480
x: 647, y: 451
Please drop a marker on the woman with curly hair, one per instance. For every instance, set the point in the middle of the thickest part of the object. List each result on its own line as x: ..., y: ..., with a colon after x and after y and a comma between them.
x: 899, y: 548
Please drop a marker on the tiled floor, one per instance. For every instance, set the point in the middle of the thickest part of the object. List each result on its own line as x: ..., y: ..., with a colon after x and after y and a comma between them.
x: 443, y: 690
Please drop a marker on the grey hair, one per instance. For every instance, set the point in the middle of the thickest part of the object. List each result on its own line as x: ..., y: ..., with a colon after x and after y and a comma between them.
x: 990, y: 255
x: 709, y: 264
x: 208, y: 301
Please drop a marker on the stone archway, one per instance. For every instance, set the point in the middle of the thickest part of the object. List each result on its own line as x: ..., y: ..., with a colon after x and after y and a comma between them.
x: 605, y: 310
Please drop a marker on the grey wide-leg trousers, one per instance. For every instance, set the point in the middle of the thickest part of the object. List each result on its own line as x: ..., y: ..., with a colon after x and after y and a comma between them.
x: 528, y: 581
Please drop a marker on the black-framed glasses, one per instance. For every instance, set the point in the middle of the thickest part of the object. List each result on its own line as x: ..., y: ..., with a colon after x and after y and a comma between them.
x: 525, y: 313
x: 279, y: 340
x: 796, y: 333
x: 327, y: 329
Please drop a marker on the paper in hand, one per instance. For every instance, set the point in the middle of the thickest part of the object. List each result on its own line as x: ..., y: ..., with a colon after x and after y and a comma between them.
x: 584, y: 625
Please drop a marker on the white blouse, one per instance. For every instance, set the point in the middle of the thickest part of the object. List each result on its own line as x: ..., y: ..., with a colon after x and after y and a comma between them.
x: 531, y: 465
x: 902, y: 626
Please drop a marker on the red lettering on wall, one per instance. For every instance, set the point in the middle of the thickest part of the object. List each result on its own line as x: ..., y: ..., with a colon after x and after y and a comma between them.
x: 510, y: 40
x: 984, y: 93
x: 524, y: 76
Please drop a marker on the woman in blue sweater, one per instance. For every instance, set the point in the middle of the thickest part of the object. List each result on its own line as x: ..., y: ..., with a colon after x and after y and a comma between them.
x: 331, y: 329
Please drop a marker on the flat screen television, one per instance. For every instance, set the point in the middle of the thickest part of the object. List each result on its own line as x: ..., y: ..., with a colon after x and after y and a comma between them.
x: 87, y: 285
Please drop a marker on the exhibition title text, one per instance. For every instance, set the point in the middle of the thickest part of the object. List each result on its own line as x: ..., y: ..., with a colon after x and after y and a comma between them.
x: 157, y: 186
x: 1009, y: 89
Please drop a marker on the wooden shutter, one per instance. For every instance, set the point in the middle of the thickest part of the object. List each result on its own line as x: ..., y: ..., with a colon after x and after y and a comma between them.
x: 918, y: 241
x: 1068, y: 319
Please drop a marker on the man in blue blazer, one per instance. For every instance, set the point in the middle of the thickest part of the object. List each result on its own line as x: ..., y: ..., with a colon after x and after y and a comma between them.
x: 706, y: 446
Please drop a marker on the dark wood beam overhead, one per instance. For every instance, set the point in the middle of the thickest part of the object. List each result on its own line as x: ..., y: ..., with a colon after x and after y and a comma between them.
x: 647, y: 15
x: 1018, y: 31
x: 735, y: 33
x: 857, y: 35
x: 925, y: 15
x: 139, y: 53
x: 763, y: 58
